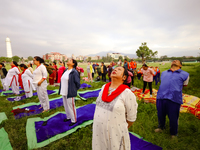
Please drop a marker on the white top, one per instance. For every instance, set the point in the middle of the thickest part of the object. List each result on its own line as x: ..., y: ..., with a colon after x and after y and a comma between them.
x: 12, y: 75
x: 39, y: 73
x: 27, y: 80
x: 64, y: 83
x: 110, y: 127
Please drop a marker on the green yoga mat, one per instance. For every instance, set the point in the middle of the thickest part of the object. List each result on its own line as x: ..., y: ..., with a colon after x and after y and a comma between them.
x: 31, y: 133
x: 3, y: 117
x: 4, y: 140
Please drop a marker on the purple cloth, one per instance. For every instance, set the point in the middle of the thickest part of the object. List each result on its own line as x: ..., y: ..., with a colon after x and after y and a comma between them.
x: 139, y: 144
x: 90, y: 94
x: 53, y: 104
x: 11, y: 99
x: 56, y: 125
x: 85, y: 85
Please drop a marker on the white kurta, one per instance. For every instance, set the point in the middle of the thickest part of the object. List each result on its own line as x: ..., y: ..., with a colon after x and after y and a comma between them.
x: 110, y: 129
x: 27, y: 80
x: 39, y: 73
x: 12, y: 80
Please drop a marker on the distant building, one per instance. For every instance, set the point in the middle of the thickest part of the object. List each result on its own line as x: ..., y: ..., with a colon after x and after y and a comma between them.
x: 79, y: 57
x: 115, y: 55
x: 54, y: 56
x: 95, y: 57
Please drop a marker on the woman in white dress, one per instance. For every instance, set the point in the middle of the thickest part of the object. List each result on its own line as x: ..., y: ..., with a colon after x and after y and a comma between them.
x: 40, y: 82
x: 116, y: 110
x: 12, y: 78
x: 27, y: 80
x: 30, y: 67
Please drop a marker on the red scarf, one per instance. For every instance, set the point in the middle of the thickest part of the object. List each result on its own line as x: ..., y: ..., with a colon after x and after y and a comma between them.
x: 23, y: 71
x: 114, y: 94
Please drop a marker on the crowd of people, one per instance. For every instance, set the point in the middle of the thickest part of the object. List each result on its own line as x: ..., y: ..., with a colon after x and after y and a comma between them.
x: 116, y: 105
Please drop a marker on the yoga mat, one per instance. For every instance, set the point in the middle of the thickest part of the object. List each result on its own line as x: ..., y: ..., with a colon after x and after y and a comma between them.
x: 19, y: 98
x: 88, y: 94
x: 31, y: 131
x: 85, y: 85
x: 6, y: 93
x: 137, y: 143
x: 39, y: 136
x: 54, y: 103
x: 56, y: 124
x: 4, y: 140
x: 3, y: 117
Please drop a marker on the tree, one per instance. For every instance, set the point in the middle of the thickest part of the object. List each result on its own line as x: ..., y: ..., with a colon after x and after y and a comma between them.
x: 120, y: 57
x: 89, y: 59
x: 145, y: 53
x: 16, y: 58
x: 30, y: 58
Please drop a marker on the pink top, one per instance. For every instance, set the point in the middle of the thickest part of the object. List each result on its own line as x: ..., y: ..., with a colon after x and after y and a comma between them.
x: 60, y: 72
x: 129, y: 77
x: 147, y: 75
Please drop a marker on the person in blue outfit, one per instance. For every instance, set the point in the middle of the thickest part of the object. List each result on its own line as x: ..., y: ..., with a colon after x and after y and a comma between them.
x: 69, y: 85
x: 169, y: 96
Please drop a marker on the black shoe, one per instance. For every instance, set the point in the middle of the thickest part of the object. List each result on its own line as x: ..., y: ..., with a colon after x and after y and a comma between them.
x: 65, y: 120
x: 73, y: 123
x: 44, y: 123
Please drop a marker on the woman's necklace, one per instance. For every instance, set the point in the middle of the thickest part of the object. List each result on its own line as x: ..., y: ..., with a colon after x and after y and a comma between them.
x: 110, y: 89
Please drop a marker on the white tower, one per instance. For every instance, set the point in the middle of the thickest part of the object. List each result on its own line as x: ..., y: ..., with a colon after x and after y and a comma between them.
x: 8, y: 46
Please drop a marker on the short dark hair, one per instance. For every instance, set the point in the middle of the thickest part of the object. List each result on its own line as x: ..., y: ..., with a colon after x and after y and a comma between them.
x: 102, y: 63
x: 23, y: 65
x: 15, y: 63
x: 54, y: 62
x: 125, y: 59
x: 41, y: 60
x: 75, y: 63
x: 145, y: 65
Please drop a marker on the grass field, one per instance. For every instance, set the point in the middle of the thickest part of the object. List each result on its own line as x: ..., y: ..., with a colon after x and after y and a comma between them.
x: 189, y: 125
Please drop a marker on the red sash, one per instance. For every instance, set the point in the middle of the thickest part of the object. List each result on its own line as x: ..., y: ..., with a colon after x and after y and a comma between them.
x: 114, y: 94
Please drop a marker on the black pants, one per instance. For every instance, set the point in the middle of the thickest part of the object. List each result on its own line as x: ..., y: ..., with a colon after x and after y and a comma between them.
x: 145, y: 85
x: 92, y: 75
x: 103, y: 77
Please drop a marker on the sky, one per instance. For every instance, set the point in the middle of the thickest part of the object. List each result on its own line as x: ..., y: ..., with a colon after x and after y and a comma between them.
x: 83, y: 27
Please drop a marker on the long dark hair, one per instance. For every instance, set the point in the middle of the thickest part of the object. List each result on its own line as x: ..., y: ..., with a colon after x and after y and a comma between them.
x: 15, y: 63
x: 41, y: 60
x: 23, y: 65
x: 31, y: 65
x: 75, y: 63
x: 125, y: 74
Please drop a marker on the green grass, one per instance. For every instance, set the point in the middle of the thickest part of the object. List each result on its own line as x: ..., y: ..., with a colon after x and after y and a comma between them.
x: 188, y: 136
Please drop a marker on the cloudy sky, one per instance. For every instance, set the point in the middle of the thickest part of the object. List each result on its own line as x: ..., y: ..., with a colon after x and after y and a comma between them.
x: 82, y: 27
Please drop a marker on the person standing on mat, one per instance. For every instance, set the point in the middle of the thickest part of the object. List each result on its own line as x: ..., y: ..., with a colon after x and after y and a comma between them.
x: 40, y: 82
x: 116, y: 110
x: 12, y: 78
x: 147, y: 78
x: 103, y: 71
x: 27, y: 80
x: 3, y: 73
x: 69, y: 85
x: 169, y: 96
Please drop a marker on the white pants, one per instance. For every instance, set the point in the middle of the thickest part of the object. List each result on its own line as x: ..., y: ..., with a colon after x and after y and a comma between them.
x: 3, y: 83
x: 30, y: 94
x: 15, y: 86
x: 42, y: 95
x: 70, y: 108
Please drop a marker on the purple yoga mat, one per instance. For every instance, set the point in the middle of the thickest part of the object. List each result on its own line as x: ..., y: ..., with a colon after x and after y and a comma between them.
x: 85, y: 85
x: 56, y: 124
x: 90, y: 94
